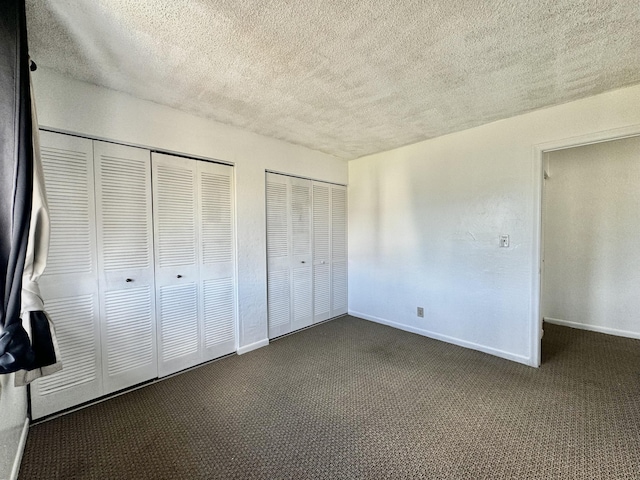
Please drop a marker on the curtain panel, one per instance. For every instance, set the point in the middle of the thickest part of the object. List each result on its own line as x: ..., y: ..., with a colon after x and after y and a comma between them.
x: 27, y: 339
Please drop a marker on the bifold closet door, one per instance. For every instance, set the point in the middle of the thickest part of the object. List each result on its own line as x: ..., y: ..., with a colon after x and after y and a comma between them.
x: 195, y: 261
x: 176, y: 261
x: 125, y: 257
x: 69, y: 285
x: 289, y: 258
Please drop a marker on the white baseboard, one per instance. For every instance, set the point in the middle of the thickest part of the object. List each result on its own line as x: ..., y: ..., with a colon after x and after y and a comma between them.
x: 593, y: 328
x: 253, y: 346
x: 18, y: 460
x: 445, y: 338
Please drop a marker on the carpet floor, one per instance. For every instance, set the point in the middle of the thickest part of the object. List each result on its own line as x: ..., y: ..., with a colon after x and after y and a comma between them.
x: 354, y: 399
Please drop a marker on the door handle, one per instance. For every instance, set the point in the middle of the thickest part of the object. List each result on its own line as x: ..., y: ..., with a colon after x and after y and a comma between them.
x: 129, y: 280
x: 178, y: 276
x: 303, y: 261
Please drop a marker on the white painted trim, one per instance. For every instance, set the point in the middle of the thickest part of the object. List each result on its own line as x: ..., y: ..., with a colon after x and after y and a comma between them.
x: 18, y: 460
x: 445, y: 338
x: 253, y: 346
x: 592, y: 328
x: 538, y: 152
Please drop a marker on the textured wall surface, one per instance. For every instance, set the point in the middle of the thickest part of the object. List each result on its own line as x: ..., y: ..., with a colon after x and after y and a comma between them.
x: 424, y: 223
x: 344, y: 77
x: 78, y: 107
x: 591, y: 237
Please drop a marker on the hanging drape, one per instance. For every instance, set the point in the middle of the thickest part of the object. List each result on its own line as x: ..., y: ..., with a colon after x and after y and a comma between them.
x: 27, y: 340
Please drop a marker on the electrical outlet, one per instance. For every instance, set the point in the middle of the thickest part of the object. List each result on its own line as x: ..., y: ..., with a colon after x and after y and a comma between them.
x: 504, y: 241
x: 421, y: 312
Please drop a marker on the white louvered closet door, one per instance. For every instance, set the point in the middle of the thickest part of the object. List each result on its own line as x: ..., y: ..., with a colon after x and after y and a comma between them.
x: 69, y: 285
x: 321, y: 252
x: 125, y: 256
x: 176, y: 259
x: 278, y: 274
x: 301, y: 259
x: 339, y: 299
x: 217, y: 259
x: 289, y: 259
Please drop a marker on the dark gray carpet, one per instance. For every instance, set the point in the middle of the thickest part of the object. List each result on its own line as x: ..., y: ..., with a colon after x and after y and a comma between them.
x: 353, y: 399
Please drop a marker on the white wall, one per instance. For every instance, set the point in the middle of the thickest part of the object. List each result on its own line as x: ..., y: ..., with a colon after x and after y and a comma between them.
x: 592, y: 237
x: 68, y: 105
x: 424, y: 222
x: 13, y: 414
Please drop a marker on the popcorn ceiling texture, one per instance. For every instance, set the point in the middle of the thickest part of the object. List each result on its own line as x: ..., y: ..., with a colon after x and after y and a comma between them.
x: 348, y: 78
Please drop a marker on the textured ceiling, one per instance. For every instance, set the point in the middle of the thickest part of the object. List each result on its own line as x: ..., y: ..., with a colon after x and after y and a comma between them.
x: 348, y: 77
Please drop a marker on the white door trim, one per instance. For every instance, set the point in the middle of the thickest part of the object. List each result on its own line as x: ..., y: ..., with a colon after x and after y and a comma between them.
x: 538, y: 166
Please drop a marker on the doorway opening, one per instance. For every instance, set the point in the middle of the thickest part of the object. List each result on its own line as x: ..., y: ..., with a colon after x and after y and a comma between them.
x: 588, y: 232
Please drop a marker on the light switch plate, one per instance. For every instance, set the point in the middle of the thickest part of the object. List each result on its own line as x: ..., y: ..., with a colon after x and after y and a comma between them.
x: 504, y: 240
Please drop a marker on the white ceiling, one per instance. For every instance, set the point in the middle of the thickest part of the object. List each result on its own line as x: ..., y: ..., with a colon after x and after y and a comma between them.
x: 347, y: 77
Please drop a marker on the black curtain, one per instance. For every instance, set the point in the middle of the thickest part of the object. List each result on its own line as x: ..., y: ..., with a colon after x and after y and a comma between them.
x: 16, y: 188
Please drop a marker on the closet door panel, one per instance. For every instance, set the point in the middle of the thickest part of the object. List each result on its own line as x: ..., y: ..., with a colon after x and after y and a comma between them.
x: 217, y: 266
x: 176, y: 261
x: 301, y: 261
x: 69, y: 285
x: 125, y: 232
x: 278, y: 252
x: 321, y: 252
x: 339, y: 298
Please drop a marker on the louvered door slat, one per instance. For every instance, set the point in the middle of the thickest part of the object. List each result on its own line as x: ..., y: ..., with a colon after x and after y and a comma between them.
x: 302, y: 297
x: 278, y: 287
x: 77, y: 342
x: 301, y: 219
x: 69, y: 181
x: 277, y: 220
x: 338, y: 223
x: 321, y: 222
x: 125, y: 232
x: 339, y: 288
x: 219, y: 312
x: 322, y: 292
x: 175, y: 216
x: 178, y: 306
x: 216, y: 218
x: 130, y: 340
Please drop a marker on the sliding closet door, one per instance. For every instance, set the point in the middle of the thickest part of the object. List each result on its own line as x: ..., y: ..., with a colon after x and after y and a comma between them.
x: 290, y: 269
x: 69, y: 285
x: 339, y: 300
x: 125, y: 256
x: 217, y: 259
x: 176, y: 261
